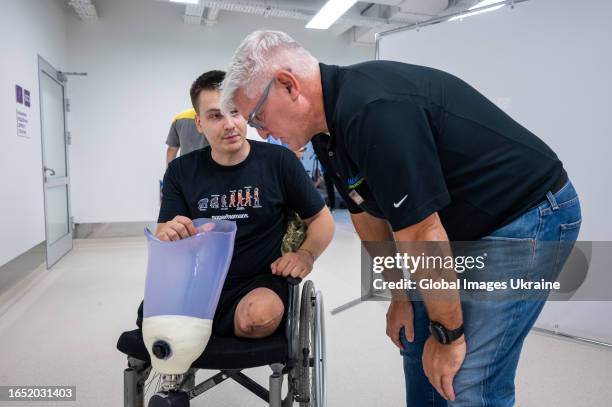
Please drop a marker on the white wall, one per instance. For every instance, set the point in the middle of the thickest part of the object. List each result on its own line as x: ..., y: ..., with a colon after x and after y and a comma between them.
x: 141, y: 60
x: 27, y: 28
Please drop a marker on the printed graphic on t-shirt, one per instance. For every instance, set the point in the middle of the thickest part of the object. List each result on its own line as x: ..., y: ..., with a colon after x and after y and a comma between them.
x: 239, y: 200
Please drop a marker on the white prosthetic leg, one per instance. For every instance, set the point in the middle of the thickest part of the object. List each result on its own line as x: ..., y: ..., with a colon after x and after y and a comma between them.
x: 183, y: 285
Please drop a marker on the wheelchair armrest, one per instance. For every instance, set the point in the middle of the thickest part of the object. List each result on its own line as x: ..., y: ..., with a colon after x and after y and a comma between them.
x: 293, y: 316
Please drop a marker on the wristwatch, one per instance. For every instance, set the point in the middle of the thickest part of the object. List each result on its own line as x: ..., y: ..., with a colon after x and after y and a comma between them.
x: 443, y: 335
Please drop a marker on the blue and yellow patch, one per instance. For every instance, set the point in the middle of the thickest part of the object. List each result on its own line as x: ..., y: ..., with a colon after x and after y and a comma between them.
x: 354, y: 182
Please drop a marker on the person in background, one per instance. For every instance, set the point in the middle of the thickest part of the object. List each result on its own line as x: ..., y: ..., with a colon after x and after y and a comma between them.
x: 299, y: 153
x: 183, y: 134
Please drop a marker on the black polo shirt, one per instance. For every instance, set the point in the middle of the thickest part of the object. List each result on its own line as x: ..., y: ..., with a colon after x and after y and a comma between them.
x: 406, y: 141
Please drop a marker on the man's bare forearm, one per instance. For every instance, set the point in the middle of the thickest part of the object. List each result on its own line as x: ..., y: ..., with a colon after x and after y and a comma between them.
x: 319, y: 234
x: 430, y: 239
x: 443, y: 305
x: 373, y: 229
x: 171, y: 154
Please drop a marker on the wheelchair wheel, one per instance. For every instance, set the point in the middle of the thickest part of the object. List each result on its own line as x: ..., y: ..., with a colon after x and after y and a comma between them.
x: 311, y: 358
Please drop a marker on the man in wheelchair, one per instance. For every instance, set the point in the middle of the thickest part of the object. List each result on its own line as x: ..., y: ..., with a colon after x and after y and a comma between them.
x: 263, y: 188
x: 257, y: 185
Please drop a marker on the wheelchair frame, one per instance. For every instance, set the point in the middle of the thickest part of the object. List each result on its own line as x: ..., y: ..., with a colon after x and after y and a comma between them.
x: 313, y: 360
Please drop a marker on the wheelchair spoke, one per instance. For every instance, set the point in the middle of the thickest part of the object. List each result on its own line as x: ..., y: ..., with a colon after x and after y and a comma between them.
x: 148, y: 385
x: 158, y: 383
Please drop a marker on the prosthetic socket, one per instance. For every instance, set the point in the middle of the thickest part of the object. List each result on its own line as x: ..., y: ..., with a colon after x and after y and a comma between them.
x: 182, y: 289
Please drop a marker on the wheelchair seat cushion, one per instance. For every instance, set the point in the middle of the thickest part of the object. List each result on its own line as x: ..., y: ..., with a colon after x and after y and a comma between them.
x: 221, y: 352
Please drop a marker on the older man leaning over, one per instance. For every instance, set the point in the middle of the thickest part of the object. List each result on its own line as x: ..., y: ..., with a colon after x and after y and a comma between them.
x: 419, y: 155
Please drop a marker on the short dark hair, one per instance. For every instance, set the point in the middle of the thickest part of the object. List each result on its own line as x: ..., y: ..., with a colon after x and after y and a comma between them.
x: 210, y: 80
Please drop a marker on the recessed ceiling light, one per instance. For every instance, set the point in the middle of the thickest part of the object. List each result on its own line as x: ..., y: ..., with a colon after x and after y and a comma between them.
x: 483, y: 3
x: 329, y: 13
x: 186, y: 1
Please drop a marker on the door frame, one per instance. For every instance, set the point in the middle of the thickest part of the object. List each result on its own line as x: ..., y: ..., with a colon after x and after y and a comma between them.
x: 58, y: 249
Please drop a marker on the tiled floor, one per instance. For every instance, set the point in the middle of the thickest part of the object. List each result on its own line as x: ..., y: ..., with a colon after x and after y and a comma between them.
x: 63, y: 326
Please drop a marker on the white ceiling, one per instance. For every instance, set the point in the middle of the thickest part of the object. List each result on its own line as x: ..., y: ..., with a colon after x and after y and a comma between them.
x: 360, y: 23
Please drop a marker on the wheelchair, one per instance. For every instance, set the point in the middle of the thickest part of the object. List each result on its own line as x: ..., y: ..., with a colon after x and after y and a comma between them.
x: 297, y: 351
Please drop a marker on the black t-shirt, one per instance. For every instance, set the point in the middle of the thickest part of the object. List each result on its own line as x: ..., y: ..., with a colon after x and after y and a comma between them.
x: 258, y: 194
x: 406, y: 141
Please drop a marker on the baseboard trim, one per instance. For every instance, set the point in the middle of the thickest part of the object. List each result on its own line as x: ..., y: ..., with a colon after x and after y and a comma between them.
x: 18, y: 269
x: 113, y: 229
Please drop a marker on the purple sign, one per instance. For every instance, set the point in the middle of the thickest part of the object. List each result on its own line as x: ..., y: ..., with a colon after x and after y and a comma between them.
x: 26, y: 97
x: 19, y: 94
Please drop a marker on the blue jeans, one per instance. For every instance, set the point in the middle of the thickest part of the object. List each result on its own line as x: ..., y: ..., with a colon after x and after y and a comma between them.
x: 495, y: 330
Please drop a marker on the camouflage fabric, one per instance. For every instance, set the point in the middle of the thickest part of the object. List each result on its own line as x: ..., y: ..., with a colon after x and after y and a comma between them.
x: 295, y: 235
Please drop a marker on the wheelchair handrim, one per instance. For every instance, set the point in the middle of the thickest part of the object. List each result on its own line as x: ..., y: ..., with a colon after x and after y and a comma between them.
x: 319, y: 352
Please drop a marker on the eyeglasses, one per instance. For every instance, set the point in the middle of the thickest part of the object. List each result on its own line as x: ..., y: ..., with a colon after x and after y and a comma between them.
x: 253, y: 121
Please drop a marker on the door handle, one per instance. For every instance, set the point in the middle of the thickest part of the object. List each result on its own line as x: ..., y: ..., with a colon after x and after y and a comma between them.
x: 51, y: 171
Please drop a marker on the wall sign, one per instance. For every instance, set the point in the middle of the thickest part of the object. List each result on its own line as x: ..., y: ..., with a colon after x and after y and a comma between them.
x: 22, y: 97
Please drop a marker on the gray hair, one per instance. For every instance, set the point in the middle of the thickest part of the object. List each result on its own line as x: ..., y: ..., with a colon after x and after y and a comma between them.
x: 259, y: 56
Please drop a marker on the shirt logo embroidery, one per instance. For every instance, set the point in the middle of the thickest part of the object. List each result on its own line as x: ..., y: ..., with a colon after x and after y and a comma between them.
x: 398, y: 204
x: 354, y: 182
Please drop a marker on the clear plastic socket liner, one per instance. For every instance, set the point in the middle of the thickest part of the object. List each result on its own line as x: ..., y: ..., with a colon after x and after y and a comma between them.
x: 182, y: 290
x: 185, y: 277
